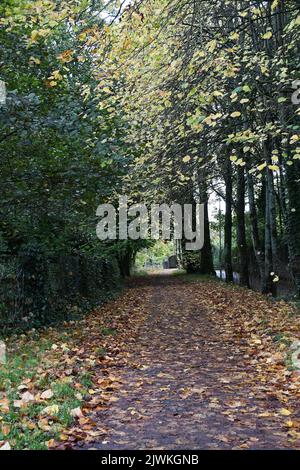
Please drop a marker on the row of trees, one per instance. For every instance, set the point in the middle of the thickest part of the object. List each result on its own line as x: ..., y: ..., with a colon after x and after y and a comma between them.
x: 212, y: 91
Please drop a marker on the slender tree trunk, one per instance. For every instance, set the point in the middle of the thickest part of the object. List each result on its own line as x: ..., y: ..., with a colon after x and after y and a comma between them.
x: 228, y: 221
x: 273, y: 228
x: 191, y: 259
x: 272, y: 262
x: 241, y: 229
x: 125, y: 261
x: 206, y: 255
x: 257, y: 247
x: 206, y: 263
x: 268, y: 284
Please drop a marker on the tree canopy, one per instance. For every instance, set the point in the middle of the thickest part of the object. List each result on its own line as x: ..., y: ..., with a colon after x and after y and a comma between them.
x: 165, y: 101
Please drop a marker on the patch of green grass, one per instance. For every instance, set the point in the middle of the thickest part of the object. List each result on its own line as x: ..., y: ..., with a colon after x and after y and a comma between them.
x: 86, y: 380
x: 27, y: 355
x: 17, y: 369
x: 64, y: 415
x: 44, y: 382
x: 23, y: 438
x: 106, y: 331
x: 34, y: 409
x: 63, y: 390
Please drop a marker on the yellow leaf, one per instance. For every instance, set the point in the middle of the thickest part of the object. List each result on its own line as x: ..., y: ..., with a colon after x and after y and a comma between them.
x: 186, y: 159
x: 285, y: 412
x: 211, y: 46
x: 50, y: 410
x: 56, y: 75
x: 217, y: 93
x: 235, y: 114
x: 267, y: 35
x: 82, y: 36
x: 234, y: 36
x: 266, y: 414
x: 256, y: 341
x: 246, y: 89
x: 289, y: 424
x: 274, y: 167
x: 34, y: 60
x: 50, y: 443
x: 34, y: 36
x: 263, y: 69
x: 262, y: 166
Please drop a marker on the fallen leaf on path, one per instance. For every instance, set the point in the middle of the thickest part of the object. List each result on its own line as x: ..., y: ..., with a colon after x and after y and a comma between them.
x: 5, y: 446
x: 76, y: 413
x: 47, y: 394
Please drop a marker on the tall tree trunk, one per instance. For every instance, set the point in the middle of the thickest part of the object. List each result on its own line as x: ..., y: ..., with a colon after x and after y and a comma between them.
x: 228, y: 221
x: 257, y: 246
x: 273, y: 228
x: 207, y: 263
x: 268, y: 284
x: 241, y: 229
x: 125, y: 260
x: 206, y: 255
x: 190, y: 259
x: 272, y: 262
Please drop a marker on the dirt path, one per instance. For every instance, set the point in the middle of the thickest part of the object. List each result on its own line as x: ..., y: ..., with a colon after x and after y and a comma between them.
x: 192, y: 383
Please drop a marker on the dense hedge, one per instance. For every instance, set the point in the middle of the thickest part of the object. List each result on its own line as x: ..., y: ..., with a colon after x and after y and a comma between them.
x: 37, y: 290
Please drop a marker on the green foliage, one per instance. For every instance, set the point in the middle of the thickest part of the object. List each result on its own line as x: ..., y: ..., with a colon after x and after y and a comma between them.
x: 154, y: 254
x: 63, y: 152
